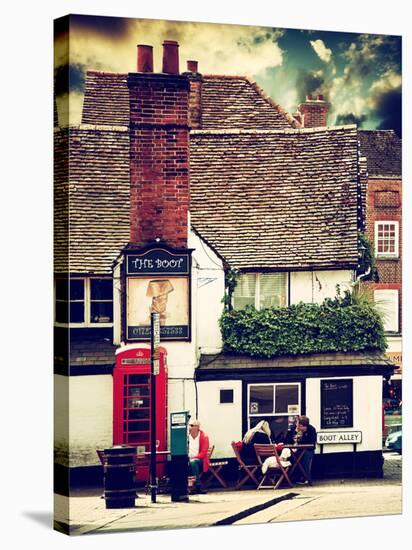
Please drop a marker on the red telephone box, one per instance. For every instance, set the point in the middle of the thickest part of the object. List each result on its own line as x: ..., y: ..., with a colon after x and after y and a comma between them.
x: 132, y: 405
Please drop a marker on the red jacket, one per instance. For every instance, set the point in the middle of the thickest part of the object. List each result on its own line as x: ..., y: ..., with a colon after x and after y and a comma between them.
x: 203, y: 450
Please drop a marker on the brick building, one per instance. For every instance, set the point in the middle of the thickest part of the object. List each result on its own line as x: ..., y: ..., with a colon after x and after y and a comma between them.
x: 383, y: 150
x: 205, y: 169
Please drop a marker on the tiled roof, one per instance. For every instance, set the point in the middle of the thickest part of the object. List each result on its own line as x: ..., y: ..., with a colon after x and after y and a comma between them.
x: 383, y: 150
x: 238, y: 102
x: 227, y: 102
x: 277, y: 199
x: 226, y: 361
x: 106, y: 99
x: 96, y: 199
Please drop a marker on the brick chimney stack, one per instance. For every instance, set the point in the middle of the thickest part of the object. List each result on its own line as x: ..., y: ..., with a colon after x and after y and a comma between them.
x: 195, y: 95
x: 144, y: 58
x: 170, y: 57
x: 159, y: 151
x: 314, y: 111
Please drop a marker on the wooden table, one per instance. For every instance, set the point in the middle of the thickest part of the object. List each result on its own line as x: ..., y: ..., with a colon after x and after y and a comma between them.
x: 298, y: 452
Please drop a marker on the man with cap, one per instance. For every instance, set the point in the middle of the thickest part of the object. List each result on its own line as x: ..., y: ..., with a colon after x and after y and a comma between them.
x: 198, y: 453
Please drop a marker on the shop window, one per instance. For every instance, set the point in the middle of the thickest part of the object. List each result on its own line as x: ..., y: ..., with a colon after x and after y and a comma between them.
x: 277, y: 403
x: 84, y: 302
x: 387, y: 302
x: 261, y: 290
x: 387, y: 239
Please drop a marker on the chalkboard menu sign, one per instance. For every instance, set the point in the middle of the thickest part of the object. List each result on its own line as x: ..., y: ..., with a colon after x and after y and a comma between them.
x: 336, y: 402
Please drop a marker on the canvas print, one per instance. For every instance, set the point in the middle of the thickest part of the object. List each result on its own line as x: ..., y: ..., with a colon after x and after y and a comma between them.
x: 228, y: 284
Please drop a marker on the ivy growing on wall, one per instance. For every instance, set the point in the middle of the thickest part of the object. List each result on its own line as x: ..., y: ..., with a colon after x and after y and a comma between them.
x: 347, y: 323
x: 367, y: 261
x: 231, y: 278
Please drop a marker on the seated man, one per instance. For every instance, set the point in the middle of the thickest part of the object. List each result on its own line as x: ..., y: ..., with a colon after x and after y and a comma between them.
x: 303, y: 434
x: 198, y: 453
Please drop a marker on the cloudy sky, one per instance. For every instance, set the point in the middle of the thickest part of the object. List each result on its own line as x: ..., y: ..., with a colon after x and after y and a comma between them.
x: 359, y: 74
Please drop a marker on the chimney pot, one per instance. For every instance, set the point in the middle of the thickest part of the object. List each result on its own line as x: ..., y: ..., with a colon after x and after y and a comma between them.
x: 170, y: 57
x: 320, y: 97
x: 309, y: 96
x: 144, y: 58
x: 192, y: 66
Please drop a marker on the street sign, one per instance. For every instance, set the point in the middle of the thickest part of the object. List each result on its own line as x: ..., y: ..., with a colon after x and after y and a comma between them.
x: 156, y: 331
x: 339, y: 437
x: 156, y: 366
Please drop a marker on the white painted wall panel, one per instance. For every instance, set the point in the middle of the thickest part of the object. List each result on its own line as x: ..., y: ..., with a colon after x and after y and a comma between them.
x: 221, y: 421
x: 367, y: 412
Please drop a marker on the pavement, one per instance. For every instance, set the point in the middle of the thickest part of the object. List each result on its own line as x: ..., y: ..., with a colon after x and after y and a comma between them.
x: 325, y: 499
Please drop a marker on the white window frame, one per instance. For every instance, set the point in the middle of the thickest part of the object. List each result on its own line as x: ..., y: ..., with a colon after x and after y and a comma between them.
x: 392, y: 297
x: 257, y: 287
x: 267, y: 414
x: 87, y: 305
x: 383, y: 255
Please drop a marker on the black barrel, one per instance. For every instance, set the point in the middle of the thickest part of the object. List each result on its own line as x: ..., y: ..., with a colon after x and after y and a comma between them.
x: 119, y: 480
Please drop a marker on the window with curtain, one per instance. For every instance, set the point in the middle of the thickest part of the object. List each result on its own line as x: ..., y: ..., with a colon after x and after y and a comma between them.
x: 261, y: 290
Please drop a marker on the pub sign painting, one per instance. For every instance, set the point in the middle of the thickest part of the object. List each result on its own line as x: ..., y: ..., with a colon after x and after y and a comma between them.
x: 158, y: 281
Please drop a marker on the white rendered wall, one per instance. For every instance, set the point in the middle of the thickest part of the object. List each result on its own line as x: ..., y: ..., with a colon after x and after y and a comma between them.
x: 222, y: 422
x: 315, y: 286
x: 367, y: 412
x: 208, y: 274
x: 90, y: 400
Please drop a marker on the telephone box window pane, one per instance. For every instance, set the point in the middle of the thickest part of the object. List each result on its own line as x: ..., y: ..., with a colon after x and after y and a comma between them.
x: 136, y: 414
x: 101, y: 289
x: 62, y: 312
x: 101, y: 312
x: 138, y: 379
x: 76, y: 289
x: 285, y: 395
x: 137, y: 402
x: 142, y: 426
x: 261, y: 399
x: 76, y: 312
x: 137, y: 391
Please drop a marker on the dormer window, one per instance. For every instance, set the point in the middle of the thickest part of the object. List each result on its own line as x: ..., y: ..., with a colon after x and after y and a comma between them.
x: 261, y: 290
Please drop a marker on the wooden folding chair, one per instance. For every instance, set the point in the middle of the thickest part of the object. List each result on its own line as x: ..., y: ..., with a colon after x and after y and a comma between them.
x: 191, y: 479
x: 263, y: 452
x: 249, y: 469
x: 214, y: 469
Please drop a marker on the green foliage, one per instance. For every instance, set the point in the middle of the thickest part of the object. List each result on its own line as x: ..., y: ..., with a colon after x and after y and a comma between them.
x: 231, y: 278
x: 345, y: 323
x: 368, y: 259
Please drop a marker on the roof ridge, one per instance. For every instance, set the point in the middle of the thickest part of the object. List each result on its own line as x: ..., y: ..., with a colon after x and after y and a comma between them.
x: 105, y: 73
x: 320, y: 129
x: 287, y: 116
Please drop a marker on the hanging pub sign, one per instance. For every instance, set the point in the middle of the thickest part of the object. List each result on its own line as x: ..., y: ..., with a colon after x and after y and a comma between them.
x: 158, y: 281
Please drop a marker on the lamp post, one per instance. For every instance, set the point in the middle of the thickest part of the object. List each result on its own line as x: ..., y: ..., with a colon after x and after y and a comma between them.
x: 154, y: 370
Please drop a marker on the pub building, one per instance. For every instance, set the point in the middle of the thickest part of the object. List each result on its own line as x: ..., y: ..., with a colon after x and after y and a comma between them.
x: 171, y: 180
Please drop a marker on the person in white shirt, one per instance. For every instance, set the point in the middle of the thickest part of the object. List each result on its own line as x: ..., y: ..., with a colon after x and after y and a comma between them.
x: 198, y: 453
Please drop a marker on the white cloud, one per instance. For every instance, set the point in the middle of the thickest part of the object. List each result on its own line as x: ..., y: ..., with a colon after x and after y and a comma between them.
x: 324, y: 53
